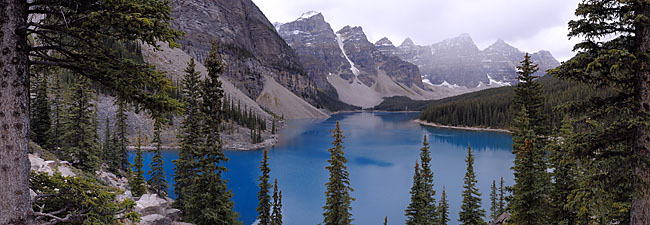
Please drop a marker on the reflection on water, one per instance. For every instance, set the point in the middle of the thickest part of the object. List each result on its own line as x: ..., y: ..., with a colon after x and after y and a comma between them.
x: 381, y: 149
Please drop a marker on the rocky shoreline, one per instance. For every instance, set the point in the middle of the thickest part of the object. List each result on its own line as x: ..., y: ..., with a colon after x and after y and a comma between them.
x: 462, y: 128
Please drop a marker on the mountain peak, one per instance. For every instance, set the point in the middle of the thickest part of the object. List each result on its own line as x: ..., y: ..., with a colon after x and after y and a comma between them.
x: 384, y: 42
x: 308, y: 15
x: 407, y: 42
x: 502, y: 46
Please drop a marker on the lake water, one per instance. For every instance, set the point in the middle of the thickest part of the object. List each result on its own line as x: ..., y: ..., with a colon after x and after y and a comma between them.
x: 381, y: 149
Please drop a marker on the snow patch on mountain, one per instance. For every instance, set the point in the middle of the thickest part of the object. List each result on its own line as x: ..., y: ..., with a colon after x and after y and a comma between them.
x: 354, y: 69
x: 445, y: 84
x: 307, y: 15
x: 495, y: 82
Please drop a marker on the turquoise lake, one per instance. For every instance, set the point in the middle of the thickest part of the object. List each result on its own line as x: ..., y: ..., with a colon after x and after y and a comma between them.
x: 381, y: 149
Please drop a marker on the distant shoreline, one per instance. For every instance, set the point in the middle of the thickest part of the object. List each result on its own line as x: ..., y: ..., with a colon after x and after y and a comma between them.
x: 462, y: 128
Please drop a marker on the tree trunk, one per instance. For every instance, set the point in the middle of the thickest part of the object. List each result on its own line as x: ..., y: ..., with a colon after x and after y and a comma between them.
x: 15, y: 205
x: 640, y: 210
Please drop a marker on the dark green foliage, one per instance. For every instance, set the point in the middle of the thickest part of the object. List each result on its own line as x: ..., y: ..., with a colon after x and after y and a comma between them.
x: 443, y: 209
x: 41, y: 121
x: 494, y: 208
x: 470, y: 210
x: 422, y: 209
x: 264, y: 205
x: 610, y: 142
x: 565, y: 174
x: 137, y: 183
x: 80, y: 133
x: 333, y: 104
x: 121, y: 134
x: 57, y: 114
x: 501, y: 206
x: 529, y: 203
x: 108, y: 148
x: 79, y: 200
x: 157, y: 182
x: 207, y: 198
x: 188, y: 136
x: 494, y: 107
x: 276, y: 216
x: 338, y: 200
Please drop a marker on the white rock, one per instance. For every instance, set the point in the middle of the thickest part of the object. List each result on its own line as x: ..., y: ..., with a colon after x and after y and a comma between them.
x: 151, y: 204
x: 155, y: 219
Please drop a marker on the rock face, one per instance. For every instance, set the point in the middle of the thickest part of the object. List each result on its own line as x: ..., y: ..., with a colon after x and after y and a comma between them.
x: 247, y: 41
x: 39, y: 164
x: 349, y: 67
x: 459, y: 61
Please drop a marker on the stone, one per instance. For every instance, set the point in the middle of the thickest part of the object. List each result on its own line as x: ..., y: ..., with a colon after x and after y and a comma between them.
x: 155, y: 219
x: 149, y: 204
x: 181, y: 223
x: 173, y: 214
x: 38, y: 164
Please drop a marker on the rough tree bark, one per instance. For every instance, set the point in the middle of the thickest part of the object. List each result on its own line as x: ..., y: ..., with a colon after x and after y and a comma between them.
x: 640, y: 210
x: 15, y: 205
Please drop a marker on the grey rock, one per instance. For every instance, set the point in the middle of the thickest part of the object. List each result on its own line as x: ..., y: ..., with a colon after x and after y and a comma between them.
x: 149, y: 204
x: 173, y: 214
x: 180, y: 223
x: 155, y: 219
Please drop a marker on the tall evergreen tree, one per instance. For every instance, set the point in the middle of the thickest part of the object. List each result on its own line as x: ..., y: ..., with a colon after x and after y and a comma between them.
x: 208, y: 200
x: 470, y: 210
x: 58, y: 104
x: 415, y: 210
x: 565, y: 174
x: 264, y: 205
x: 613, y: 130
x: 121, y: 135
x: 157, y: 182
x: 108, y: 149
x: 276, y: 216
x: 189, y: 136
x: 427, y: 177
x: 69, y: 38
x: 137, y: 183
x: 338, y: 200
x: 80, y: 133
x: 502, y: 201
x: 41, y: 122
x: 494, y: 204
x: 528, y: 95
x: 443, y: 209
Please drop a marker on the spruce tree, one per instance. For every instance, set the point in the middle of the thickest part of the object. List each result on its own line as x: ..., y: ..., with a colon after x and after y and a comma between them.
x: 157, y: 182
x: 502, y: 204
x: 41, y: 122
x: 528, y: 95
x: 470, y: 210
x: 415, y: 213
x: 528, y: 204
x: 386, y: 220
x: 429, y: 209
x: 208, y: 200
x: 121, y: 135
x: 565, y: 174
x: 264, y: 205
x: 337, y: 206
x: 108, y: 148
x: 613, y: 130
x: 58, y: 105
x: 80, y: 133
x: 443, y: 209
x: 137, y: 183
x: 276, y: 216
x: 494, y: 205
x: 189, y: 135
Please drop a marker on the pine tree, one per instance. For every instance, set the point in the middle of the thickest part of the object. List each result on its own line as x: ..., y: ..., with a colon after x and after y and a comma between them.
x: 121, y: 134
x: 57, y: 114
x: 157, y: 182
x: 528, y: 95
x: 443, y: 209
x: 422, y: 209
x: 276, y: 216
x: 189, y: 136
x: 565, y: 174
x: 108, y: 149
x: 494, y: 205
x: 41, y: 122
x: 208, y: 200
x: 264, y: 205
x: 136, y: 180
x: 80, y: 133
x: 613, y: 130
x: 386, y: 220
x: 273, y: 127
x: 470, y: 210
x: 528, y: 204
x: 415, y: 210
x: 337, y: 206
x: 502, y: 204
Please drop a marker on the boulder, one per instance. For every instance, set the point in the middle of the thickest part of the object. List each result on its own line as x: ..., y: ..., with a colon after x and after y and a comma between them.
x: 173, y: 214
x: 155, y: 219
x: 38, y: 164
x: 181, y: 223
x: 150, y: 204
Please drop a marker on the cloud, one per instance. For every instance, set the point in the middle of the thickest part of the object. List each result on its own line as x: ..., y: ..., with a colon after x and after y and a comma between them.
x: 530, y: 25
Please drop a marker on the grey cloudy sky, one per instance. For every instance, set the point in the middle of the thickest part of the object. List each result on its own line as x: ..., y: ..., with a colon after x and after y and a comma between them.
x: 529, y: 25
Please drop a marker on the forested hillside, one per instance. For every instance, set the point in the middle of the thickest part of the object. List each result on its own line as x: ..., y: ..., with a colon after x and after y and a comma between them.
x: 493, y: 107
